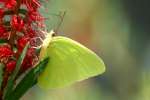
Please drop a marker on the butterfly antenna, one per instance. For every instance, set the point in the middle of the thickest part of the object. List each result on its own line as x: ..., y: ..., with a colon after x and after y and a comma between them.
x: 61, y: 16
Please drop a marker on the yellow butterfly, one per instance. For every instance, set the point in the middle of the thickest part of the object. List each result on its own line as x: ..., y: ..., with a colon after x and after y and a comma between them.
x: 69, y: 62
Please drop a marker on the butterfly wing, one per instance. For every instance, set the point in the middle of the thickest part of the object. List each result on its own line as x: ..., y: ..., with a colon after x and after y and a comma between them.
x: 69, y: 62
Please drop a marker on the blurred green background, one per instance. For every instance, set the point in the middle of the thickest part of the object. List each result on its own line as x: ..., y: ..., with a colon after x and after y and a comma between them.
x: 119, y: 32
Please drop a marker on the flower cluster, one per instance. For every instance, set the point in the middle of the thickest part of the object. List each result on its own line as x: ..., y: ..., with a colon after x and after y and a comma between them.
x: 19, y: 24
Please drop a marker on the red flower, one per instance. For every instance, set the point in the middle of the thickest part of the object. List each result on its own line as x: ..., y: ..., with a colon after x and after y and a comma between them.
x: 17, y: 23
x: 24, y: 28
x: 21, y: 43
x: 10, y: 66
x: 2, y: 29
x: 30, y: 59
x: 10, y: 4
x: 34, y: 16
x: 5, y: 53
x: 31, y: 4
x: 4, y: 34
x: 29, y: 32
x: 1, y: 13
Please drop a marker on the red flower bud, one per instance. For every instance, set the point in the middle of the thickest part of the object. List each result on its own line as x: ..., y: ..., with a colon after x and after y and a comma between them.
x: 31, y: 4
x: 10, y: 4
x: 17, y: 23
x: 1, y: 13
x: 10, y: 66
x: 21, y: 43
x: 5, y: 52
x: 4, y: 34
x: 30, y: 59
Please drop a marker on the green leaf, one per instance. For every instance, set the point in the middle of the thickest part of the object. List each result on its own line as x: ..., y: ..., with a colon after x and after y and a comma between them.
x: 69, y: 62
x: 1, y: 73
x: 10, y: 83
x: 3, y: 41
x: 28, y: 81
